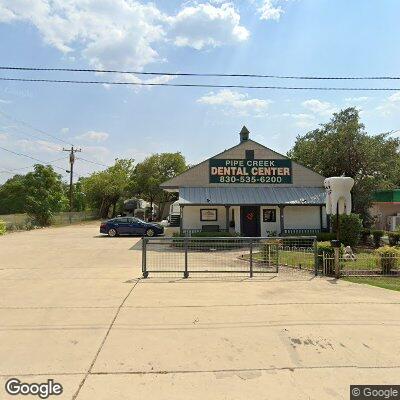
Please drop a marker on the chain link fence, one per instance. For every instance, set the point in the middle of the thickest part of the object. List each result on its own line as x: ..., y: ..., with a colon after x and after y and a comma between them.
x: 23, y: 221
x: 238, y: 256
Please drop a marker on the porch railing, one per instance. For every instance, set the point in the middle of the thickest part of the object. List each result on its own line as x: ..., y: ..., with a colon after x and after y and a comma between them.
x: 301, y: 231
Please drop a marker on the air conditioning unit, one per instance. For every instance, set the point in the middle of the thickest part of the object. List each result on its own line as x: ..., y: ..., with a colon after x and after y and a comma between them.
x: 393, y: 222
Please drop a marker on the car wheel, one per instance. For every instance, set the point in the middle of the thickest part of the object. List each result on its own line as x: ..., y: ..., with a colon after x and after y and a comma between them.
x: 150, y: 232
x: 112, y: 232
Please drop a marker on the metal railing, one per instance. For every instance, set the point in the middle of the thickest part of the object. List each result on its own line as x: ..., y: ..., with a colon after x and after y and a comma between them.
x: 184, y: 256
x: 363, y: 264
x: 190, y: 232
x: 301, y: 231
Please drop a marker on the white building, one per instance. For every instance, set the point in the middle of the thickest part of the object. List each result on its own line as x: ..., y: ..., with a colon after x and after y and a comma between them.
x: 252, y: 190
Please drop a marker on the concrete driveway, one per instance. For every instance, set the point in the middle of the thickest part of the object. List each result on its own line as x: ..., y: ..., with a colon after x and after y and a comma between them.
x: 72, y: 309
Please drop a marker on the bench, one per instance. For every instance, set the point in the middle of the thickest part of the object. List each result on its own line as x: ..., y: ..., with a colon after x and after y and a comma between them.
x: 210, y: 228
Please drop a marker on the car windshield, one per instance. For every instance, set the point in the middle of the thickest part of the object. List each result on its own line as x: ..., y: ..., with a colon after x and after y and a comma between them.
x: 139, y: 220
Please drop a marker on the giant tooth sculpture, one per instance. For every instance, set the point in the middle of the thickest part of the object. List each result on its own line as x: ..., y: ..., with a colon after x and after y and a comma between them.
x: 338, y: 194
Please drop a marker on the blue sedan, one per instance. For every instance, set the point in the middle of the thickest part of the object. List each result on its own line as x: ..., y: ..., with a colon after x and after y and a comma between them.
x: 130, y: 226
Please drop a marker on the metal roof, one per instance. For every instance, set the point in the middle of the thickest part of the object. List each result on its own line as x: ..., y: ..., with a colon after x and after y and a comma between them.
x: 252, y: 195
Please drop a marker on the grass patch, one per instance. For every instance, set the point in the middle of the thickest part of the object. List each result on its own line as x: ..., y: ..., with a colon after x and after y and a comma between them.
x: 382, y: 282
x: 297, y: 259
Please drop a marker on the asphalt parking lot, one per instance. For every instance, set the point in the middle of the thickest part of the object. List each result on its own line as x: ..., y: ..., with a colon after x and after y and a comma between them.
x: 73, y: 309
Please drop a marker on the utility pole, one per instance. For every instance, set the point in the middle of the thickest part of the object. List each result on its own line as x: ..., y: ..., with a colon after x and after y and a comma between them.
x: 72, y: 152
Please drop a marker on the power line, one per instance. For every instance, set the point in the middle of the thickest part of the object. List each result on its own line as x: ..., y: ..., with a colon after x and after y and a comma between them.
x: 4, y: 170
x: 31, y: 127
x: 32, y: 158
x: 93, y: 162
x: 196, y: 85
x: 29, y: 138
x: 219, y: 75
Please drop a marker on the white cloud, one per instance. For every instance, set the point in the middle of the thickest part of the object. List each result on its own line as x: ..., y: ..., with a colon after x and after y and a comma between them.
x: 395, y: 97
x: 3, y: 136
x: 94, y: 136
x: 124, y: 34
x: 2, y: 101
x: 319, y: 107
x: 98, y: 153
x: 235, y: 103
x: 65, y: 130
x: 206, y: 25
x: 390, y: 105
x: 359, y: 99
x: 38, y: 146
x: 270, y: 9
x: 302, y: 120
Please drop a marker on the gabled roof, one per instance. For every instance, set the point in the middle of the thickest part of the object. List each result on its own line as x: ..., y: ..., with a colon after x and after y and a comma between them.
x: 174, y: 182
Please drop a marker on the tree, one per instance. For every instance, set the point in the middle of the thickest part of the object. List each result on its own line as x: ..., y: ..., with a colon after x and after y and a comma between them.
x: 44, y: 194
x: 342, y: 146
x: 13, y: 195
x: 103, y: 189
x: 153, y: 171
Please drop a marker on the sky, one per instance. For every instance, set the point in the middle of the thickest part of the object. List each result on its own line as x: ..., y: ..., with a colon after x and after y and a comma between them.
x: 276, y: 37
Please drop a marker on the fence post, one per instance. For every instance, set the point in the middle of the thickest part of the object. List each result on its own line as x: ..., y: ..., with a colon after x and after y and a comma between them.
x: 251, y: 258
x: 144, y: 253
x: 186, y: 273
x: 315, y: 257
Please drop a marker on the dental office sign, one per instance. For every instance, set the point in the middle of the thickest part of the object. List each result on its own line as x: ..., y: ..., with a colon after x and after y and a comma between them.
x: 250, y: 171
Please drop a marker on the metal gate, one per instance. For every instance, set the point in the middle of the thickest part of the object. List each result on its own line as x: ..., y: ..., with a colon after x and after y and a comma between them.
x: 184, y: 256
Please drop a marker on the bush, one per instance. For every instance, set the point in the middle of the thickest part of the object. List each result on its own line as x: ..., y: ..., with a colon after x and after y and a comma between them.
x: 350, y: 229
x: 394, y: 238
x: 3, y: 227
x: 327, y: 249
x: 326, y: 236
x: 387, y: 258
x: 377, y: 236
x: 365, y: 234
x: 324, y: 247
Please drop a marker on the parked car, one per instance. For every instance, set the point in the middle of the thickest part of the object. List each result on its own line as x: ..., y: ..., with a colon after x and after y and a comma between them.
x: 130, y: 226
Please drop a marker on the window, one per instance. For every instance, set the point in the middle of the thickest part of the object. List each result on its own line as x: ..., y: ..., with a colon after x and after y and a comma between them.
x: 269, y: 215
x: 249, y: 154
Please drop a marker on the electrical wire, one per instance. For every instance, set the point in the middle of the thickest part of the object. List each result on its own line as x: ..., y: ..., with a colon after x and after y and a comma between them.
x: 199, y: 74
x: 32, y: 127
x: 93, y: 162
x: 32, y: 158
x: 193, y: 85
x: 30, y: 166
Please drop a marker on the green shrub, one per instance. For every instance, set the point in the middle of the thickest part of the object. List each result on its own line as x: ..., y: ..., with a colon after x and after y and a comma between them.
x: 350, y: 229
x: 377, y: 236
x: 324, y: 247
x: 394, y: 238
x: 327, y: 249
x: 3, y: 227
x: 365, y: 234
x: 387, y: 258
x: 326, y: 236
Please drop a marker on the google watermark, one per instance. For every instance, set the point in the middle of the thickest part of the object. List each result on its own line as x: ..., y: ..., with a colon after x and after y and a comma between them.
x: 15, y: 387
x: 375, y: 392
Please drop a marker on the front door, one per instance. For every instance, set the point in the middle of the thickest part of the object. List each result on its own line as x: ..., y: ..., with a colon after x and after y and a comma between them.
x: 250, y: 221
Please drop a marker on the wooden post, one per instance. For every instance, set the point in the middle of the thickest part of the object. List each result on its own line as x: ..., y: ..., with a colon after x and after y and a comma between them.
x: 227, y: 217
x: 181, y: 220
x: 337, y: 262
x: 282, y: 219
x: 321, y: 218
